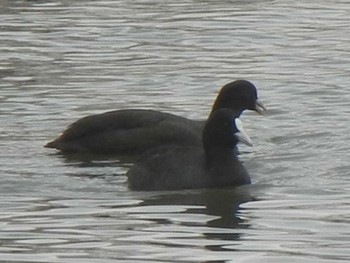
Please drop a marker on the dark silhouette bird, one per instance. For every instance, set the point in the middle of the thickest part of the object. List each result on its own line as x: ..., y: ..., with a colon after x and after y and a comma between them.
x: 213, y: 165
x: 133, y: 131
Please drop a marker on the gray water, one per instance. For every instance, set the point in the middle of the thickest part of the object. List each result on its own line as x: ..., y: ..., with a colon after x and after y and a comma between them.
x: 62, y: 60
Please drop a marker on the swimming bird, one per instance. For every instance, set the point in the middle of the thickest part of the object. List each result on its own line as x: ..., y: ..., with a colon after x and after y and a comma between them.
x: 213, y: 165
x: 133, y: 131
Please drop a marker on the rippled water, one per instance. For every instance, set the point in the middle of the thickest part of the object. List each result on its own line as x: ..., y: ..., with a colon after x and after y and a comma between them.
x: 61, y: 60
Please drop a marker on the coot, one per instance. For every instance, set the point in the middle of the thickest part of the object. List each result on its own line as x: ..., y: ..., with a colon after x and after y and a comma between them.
x: 213, y: 165
x: 133, y: 131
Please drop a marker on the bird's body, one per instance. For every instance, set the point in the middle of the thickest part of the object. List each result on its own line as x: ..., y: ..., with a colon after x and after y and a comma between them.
x: 171, y: 168
x: 128, y: 132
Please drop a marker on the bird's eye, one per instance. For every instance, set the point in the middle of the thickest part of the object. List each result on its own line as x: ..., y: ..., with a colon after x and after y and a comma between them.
x: 244, y: 98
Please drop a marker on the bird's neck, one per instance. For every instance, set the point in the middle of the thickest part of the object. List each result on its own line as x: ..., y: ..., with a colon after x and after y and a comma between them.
x: 221, y: 104
x: 220, y: 156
